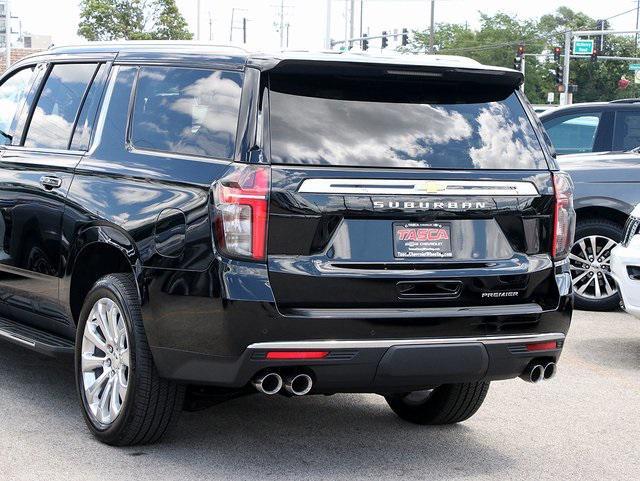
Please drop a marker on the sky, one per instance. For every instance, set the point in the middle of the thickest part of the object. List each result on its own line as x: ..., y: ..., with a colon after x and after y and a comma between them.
x: 306, y: 18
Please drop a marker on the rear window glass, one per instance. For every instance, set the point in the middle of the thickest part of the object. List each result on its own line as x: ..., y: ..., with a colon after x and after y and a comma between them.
x: 187, y: 111
x: 407, y: 124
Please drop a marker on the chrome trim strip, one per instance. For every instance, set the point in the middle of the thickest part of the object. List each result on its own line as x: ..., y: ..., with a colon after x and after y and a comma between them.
x: 386, y: 343
x: 418, y: 187
x: 19, y: 340
x: 416, y: 313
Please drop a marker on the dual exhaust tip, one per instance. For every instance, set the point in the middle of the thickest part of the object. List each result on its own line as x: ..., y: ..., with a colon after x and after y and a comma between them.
x: 272, y: 383
x: 539, y: 372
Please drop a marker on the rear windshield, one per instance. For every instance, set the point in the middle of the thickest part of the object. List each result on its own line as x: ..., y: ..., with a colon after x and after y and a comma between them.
x: 401, y: 123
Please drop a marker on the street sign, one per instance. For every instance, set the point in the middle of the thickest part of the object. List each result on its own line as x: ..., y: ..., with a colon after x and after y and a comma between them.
x: 636, y: 77
x: 582, y: 47
x: 550, y: 97
x: 634, y: 66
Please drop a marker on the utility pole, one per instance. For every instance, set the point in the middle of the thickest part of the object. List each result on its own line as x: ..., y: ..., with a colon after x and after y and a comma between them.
x: 637, y: 21
x: 361, y: 15
x: 7, y: 29
x: 210, y: 27
x: 233, y: 12
x: 565, y: 71
x: 352, y: 20
x: 432, y: 28
x: 327, y: 26
x: 244, y: 29
x: 198, y: 20
x: 281, y: 23
x: 243, y: 13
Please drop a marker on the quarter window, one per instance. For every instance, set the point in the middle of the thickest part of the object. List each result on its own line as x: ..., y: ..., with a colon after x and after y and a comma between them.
x: 12, y: 94
x: 186, y: 111
x: 573, y: 134
x: 55, y: 113
x: 627, y: 132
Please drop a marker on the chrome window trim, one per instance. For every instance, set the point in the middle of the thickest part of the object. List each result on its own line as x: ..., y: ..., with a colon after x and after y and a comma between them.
x: 386, y: 343
x: 423, y: 187
x: 43, y: 150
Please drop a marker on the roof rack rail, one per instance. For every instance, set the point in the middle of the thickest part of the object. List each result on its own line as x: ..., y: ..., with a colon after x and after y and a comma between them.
x: 625, y: 101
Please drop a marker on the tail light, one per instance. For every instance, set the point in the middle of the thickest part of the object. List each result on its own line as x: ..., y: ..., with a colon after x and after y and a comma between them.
x: 564, y: 218
x: 240, y: 211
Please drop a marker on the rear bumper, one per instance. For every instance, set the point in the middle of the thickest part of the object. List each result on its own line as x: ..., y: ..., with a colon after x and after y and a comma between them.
x: 381, y: 365
x: 621, y: 258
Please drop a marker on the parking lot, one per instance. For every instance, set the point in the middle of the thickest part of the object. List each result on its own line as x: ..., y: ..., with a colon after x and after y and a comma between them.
x: 585, y: 424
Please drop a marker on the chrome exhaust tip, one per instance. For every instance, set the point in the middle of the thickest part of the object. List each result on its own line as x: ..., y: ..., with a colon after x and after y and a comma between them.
x: 533, y: 373
x: 550, y: 370
x: 298, y: 385
x: 269, y: 383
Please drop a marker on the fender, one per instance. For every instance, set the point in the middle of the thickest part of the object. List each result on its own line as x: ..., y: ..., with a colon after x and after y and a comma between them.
x: 600, y: 201
x: 101, y: 234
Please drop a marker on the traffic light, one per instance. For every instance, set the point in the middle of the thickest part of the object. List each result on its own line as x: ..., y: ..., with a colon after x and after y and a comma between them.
x: 559, y: 74
x: 598, y: 45
x: 385, y: 41
x: 365, y: 43
x: 594, y: 55
x: 556, y: 53
x: 517, y: 61
x: 405, y: 37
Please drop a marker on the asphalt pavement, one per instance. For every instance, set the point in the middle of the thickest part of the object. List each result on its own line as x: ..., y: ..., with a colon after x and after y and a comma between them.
x: 584, y: 424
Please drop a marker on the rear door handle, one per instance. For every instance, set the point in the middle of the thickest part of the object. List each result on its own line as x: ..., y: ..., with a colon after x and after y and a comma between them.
x: 50, y: 181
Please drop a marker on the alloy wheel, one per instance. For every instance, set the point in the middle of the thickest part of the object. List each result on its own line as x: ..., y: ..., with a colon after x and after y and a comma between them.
x: 590, y: 260
x: 105, y: 361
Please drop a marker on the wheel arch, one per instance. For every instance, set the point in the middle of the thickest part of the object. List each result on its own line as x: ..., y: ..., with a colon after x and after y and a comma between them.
x: 605, y: 209
x: 98, y: 251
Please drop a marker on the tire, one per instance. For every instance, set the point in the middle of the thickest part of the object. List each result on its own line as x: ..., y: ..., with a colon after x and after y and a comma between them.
x: 585, y: 229
x: 446, y: 404
x: 151, y: 405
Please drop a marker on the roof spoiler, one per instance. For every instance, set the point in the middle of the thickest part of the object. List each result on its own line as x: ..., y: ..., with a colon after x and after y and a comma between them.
x: 485, y: 75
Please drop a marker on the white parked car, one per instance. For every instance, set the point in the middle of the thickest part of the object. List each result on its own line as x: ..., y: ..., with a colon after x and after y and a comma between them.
x: 625, y: 264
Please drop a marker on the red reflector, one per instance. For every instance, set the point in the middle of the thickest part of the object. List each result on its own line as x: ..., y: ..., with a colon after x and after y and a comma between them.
x: 297, y: 354
x: 542, y: 346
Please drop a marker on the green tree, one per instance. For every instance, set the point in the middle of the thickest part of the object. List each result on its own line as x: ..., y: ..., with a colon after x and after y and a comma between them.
x: 498, y: 36
x: 132, y: 20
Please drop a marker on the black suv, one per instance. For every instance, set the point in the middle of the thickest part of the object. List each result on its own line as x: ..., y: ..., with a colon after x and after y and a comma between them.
x: 204, y: 221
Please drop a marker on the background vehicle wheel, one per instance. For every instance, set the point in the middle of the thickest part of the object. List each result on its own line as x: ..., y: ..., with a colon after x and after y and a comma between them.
x: 594, y: 288
x: 446, y: 404
x: 123, y: 400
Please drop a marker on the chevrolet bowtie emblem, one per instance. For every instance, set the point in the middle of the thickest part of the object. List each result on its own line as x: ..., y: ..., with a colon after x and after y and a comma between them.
x: 434, y: 187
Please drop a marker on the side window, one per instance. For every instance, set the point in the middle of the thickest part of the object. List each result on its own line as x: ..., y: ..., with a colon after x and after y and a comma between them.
x: 13, y: 91
x: 86, y: 119
x: 56, y: 109
x: 573, y: 134
x: 627, y: 131
x: 186, y: 111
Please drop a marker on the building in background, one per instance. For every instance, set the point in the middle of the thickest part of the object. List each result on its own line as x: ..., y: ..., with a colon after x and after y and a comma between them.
x: 8, y: 27
x: 22, y: 44
x: 40, y: 42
